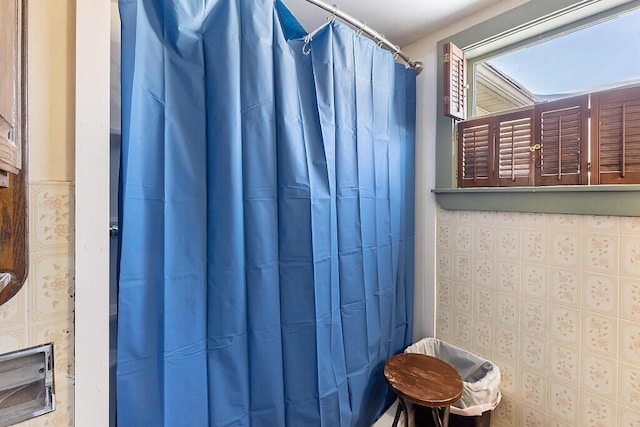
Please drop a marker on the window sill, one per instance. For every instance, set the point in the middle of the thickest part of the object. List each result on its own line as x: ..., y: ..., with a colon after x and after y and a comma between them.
x: 616, y: 200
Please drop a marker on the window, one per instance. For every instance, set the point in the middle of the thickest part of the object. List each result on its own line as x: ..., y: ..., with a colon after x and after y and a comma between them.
x: 536, y: 80
x: 547, y: 154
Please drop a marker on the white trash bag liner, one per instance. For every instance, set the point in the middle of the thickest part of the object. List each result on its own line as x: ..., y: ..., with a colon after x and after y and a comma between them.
x: 481, y: 378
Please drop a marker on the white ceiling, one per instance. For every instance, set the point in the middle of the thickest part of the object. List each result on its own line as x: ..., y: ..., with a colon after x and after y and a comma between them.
x: 401, y: 21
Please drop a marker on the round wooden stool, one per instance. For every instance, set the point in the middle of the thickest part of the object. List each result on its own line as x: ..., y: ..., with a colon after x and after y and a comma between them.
x: 423, y: 380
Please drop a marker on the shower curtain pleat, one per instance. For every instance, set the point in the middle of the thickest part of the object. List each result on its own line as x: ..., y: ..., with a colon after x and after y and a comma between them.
x: 267, y: 198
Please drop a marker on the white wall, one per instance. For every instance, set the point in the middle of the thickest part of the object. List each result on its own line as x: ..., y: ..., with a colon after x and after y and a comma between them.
x: 425, y: 50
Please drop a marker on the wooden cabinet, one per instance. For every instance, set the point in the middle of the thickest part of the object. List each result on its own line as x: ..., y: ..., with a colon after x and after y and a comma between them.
x: 13, y: 183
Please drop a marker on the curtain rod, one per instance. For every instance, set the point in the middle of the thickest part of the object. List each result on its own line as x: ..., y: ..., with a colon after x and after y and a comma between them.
x: 361, y: 26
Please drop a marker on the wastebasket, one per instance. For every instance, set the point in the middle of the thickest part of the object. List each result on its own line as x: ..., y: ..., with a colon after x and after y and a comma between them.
x: 481, y: 382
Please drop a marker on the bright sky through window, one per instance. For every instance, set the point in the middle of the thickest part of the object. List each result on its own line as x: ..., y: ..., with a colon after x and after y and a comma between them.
x: 600, y: 56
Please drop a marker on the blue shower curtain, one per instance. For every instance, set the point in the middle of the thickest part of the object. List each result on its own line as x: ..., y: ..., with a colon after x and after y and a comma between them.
x: 267, y: 203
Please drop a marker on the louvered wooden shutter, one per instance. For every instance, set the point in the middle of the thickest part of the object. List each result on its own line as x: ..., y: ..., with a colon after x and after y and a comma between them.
x: 10, y: 153
x: 562, y: 133
x: 514, y: 136
x: 475, y: 153
x: 616, y: 135
x: 455, y: 82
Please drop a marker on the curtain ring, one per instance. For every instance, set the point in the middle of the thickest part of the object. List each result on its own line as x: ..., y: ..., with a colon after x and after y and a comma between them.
x: 397, y: 53
x: 360, y: 29
x: 307, y: 40
x: 332, y: 18
x: 382, y: 37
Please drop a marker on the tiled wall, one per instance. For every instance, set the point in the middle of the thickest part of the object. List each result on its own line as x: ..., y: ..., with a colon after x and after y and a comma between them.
x: 42, y: 311
x: 554, y: 300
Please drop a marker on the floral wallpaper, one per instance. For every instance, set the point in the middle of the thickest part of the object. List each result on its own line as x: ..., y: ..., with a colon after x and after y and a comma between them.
x: 42, y: 311
x: 554, y: 301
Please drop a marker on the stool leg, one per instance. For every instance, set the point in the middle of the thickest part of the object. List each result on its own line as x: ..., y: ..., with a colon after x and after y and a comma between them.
x: 397, y: 417
x: 441, y: 421
x: 445, y: 417
x: 436, y: 417
x: 406, y: 413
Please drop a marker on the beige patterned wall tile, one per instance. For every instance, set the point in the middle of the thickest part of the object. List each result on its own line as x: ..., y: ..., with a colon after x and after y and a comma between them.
x: 534, y: 390
x: 508, y: 243
x: 630, y: 299
x: 445, y: 215
x: 566, y: 222
x: 443, y: 324
x: 13, y: 312
x: 506, y: 412
x: 13, y: 338
x: 51, y: 217
x: 509, y: 219
x: 533, y: 353
x: 630, y: 342
x: 484, y: 272
x: 565, y: 325
x: 554, y: 422
x: 630, y: 256
x: 564, y: 287
x: 535, y: 281
x: 463, y: 217
x: 535, y: 318
x: 484, y: 217
x: 507, y: 309
x: 564, y: 363
x: 463, y: 239
x: 629, y: 380
x: 600, y: 334
x: 530, y: 417
x: 445, y: 293
x: 630, y: 225
x: 507, y: 344
x: 484, y: 240
x: 444, y: 265
x: 462, y: 267
x: 601, y: 253
x: 462, y: 298
x: 51, y: 285
x: 566, y: 249
x: 462, y: 331
x: 597, y: 412
x: 509, y: 381
x: 628, y: 417
x: 508, y: 277
x: 482, y: 339
x: 535, y: 220
x: 600, y: 224
x: 535, y: 248
x: 600, y: 376
x: 444, y: 239
x: 483, y: 303
x: 564, y: 402
x: 600, y: 293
